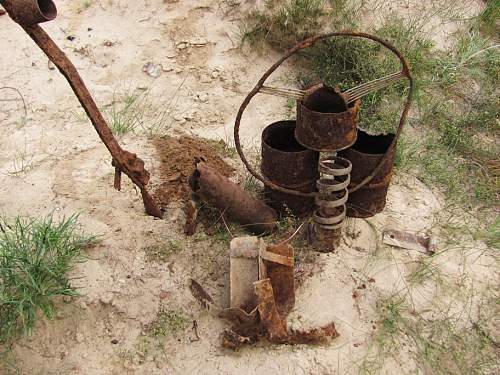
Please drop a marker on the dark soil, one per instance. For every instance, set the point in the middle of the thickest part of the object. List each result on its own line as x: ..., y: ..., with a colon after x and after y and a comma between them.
x: 178, y: 163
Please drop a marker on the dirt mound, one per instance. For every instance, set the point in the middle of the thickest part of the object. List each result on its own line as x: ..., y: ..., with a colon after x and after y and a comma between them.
x: 177, y: 157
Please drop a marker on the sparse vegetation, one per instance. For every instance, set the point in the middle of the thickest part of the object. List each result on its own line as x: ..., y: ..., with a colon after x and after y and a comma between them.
x: 162, y: 252
x: 167, y: 322
x: 35, y: 257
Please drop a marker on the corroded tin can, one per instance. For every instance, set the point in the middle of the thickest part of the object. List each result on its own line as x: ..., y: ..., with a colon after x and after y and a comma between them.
x: 287, y: 163
x: 365, y: 155
x: 325, y: 122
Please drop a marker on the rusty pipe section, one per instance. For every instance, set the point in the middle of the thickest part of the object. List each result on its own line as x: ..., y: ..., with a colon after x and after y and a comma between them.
x: 31, y: 12
x: 287, y: 163
x: 231, y: 200
x: 365, y: 155
x: 27, y: 13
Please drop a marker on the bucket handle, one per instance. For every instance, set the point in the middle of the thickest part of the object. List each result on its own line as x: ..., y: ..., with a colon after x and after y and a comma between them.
x: 307, y: 43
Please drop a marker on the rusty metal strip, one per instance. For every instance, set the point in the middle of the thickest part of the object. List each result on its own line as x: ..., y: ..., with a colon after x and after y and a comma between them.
x: 123, y: 161
x: 269, y: 316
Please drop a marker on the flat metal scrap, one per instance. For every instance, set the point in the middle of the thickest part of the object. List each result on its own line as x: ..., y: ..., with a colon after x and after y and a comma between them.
x: 411, y: 241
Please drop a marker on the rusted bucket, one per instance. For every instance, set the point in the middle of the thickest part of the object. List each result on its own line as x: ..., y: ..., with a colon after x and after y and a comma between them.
x: 365, y: 155
x: 288, y: 164
x: 31, y: 12
x: 325, y: 122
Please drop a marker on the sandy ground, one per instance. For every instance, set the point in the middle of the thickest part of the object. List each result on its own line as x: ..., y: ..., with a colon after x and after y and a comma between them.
x: 54, y: 162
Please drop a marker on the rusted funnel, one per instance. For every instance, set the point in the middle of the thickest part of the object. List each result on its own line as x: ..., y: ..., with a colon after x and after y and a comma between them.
x: 365, y: 155
x: 288, y: 164
x: 325, y: 122
x: 31, y: 12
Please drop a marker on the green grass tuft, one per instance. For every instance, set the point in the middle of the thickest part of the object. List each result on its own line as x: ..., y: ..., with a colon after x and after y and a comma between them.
x: 35, y: 257
x: 167, y: 322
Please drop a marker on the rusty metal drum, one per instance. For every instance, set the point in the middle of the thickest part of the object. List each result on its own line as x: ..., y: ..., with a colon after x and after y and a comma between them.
x: 365, y: 155
x: 288, y: 164
x: 325, y: 122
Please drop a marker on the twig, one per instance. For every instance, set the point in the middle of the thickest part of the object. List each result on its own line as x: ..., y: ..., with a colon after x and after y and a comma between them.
x: 292, y: 236
x: 19, y: 93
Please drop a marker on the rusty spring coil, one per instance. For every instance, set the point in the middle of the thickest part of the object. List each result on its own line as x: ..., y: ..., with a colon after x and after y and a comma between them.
x: 332, y: 192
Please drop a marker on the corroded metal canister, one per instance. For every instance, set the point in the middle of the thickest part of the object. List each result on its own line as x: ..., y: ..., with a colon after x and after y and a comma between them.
x: 365, y: 155
x: 325, y: 122
x: 288, y: 164
x: 31, y: 12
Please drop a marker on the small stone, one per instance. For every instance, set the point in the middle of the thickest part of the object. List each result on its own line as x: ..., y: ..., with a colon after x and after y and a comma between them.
x: 114, y: 341
x: 178, y: 70
x: 198, y: 41
x: 202, y: 97
x: 178, y: 117
x: 108, y: 43
x: 167, y: 67
x: 205, y: 78
x: 152, y: 70
x: 106, y: 298
x: 182, y: 45
x: 215, y: 74
x: 171, y: 54
x: 79, y: 337
x: 71, y: 38
x: 163, y: 295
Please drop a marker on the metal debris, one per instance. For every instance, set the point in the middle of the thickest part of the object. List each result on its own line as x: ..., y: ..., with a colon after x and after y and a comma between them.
x: 287, y: 163
x: 325, y: 122
x: 232, y: 340
x: 232, y: 201
x: 200, y: 294
x: 278, y: 265
x: 411, y: 241
x: 365, y: 155
x: 269, y: 316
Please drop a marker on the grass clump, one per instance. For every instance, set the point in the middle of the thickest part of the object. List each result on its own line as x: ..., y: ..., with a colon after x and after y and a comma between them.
x: 35, y: 257
x: 489, y: 18
x: 167, y: 322
x: 282, y: 23
x: 162, y: 252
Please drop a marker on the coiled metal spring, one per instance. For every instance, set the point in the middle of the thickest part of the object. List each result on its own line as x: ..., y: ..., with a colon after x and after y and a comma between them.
x: 332, y: 195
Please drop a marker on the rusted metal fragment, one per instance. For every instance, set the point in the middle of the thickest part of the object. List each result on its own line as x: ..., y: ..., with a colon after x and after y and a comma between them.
x: 233, y: 202
x: 200, y: 294
x: 31, y: 12
x: 123, y: 161
x: 287, y: 163
x: 365, y: 155
x: 279, y: 264
x: 325, y: 122
x: 191, y: 210
x: 269, y: 316
x: 232, y: 340
x: 314, y: 336
x: 411, y: 241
